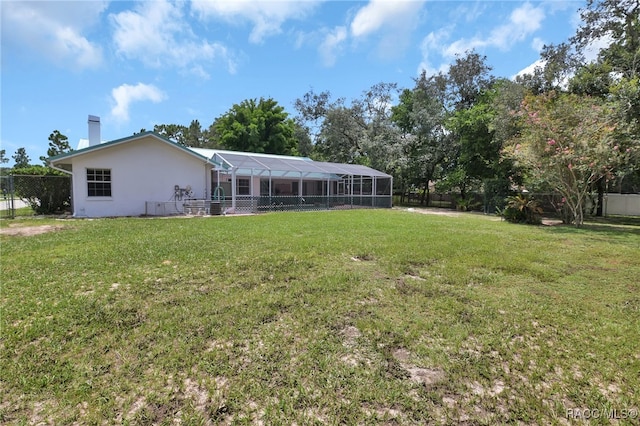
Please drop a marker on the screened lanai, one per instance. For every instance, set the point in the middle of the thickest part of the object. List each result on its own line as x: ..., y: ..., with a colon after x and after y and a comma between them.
x: 251, y: 182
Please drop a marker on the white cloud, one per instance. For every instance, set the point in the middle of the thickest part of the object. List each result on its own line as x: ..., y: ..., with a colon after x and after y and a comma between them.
x: 156, y: 33
x: 471, y: 11
x: 432, y: 42
x: 531, y: 69
x: 331, y: 45
x: 392, y: 21
x: 378, y: 14
x: 126, y: 94
x: 537, y: 44
x: 54, y: 30
x: 524, y: 21
x: 266, y: 16
x: 592, y: 50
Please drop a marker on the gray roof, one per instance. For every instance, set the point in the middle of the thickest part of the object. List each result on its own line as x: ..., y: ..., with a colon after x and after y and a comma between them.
x: 249, y: 163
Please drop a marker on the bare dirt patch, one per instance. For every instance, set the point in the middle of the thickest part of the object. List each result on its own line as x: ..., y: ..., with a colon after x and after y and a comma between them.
x: 27, y: 231
x: 450, y: 213
x: 440, y: 212
x: 426, y: 376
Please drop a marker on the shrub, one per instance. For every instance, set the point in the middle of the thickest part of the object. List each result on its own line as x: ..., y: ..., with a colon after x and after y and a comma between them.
x: 522, y: 208
x: 466, y: 204
x: 46, y: 190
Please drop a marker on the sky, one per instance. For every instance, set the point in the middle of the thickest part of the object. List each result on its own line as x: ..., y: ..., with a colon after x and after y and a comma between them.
x: 137, y: 64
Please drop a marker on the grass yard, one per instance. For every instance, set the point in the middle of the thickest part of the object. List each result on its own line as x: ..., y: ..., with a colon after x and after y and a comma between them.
x: 347, y: 317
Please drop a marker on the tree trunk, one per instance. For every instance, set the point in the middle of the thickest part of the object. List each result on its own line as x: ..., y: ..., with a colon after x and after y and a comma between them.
x: 424, y: 193
x: 600, y: 187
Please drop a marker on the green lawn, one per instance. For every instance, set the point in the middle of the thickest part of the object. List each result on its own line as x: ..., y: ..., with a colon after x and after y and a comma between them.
x: 348, y: 317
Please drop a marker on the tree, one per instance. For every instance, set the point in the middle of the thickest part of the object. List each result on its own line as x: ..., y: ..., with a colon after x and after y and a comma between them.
x: 616, y: 72
x: 595, y: 79
x: 21, y: 158
x: 174, y: 132
x: 468, y: 77
x: 508, y: 98
x: 479, y: 150
x: 382, y: 136
x: 618, y: 20
x: 193, y: 135
x: 3, y: 156
x: 426, y: 145
x: 342, y: 136
x: 469, y: 115
x: 569, y: 142
x: 256, y: 126
x: 361, y: 132
x: 313, y: 108
x: 558, y: 64
x: 58, y: 144
x: 46, y: 190
x: 305, y: 144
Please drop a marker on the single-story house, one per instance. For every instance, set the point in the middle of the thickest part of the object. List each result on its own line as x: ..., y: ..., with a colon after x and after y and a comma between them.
x: 147, y: 174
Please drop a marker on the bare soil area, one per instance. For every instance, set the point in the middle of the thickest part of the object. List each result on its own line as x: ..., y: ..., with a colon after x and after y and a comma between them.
x: 27, y: 231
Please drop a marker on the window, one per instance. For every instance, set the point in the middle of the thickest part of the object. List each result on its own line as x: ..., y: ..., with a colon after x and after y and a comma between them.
x: 99, y: 182
x: 243, y: 187
x: 264, y: 187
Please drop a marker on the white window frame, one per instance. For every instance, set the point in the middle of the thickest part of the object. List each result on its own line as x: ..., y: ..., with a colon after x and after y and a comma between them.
x: 99, y: 178
x: 243, y: 186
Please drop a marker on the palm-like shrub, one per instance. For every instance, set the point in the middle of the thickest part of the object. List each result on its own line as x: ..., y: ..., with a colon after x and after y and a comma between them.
x: 522, y: 208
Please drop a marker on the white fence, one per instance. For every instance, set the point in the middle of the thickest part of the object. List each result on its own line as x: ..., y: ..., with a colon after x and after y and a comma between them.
x: 622, y: 204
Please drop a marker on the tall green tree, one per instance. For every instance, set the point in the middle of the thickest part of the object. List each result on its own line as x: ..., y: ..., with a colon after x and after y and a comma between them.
x: 479, y: 151
x: 302, y: 134
x: 193, y: 135
x: 3, y: 156
x: 312, y: 108
x: 426, y: 145
x: 21, y: 158
x: 619, y: 21
x: 342, y: 136
x: 558, y: 64
x: 469, y: 113
x: 174, y: 132
x: 260, y: 126
x: 468, y: 77
x: 58, y: 144
x: 361, y: 132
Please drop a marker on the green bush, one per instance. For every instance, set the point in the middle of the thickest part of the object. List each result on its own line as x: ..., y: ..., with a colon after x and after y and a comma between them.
x: 522, y: 208
x: 47, y: 191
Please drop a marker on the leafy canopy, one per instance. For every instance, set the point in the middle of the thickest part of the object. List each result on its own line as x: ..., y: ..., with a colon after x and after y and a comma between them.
x: 568, y: 142
x: 260, y: 126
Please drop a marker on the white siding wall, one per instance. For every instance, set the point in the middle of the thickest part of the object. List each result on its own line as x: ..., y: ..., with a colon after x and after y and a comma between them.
x: 141, y: 170
x: 623, y: 204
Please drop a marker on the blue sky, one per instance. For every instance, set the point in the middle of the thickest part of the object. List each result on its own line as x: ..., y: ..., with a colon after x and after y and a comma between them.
x: 136, y: 64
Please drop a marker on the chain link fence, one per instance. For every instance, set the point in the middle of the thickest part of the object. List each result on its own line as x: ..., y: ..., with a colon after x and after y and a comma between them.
x: 26, y: 195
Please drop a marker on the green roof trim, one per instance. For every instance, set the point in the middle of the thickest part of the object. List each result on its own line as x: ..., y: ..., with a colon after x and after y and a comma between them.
x: 115, y: 142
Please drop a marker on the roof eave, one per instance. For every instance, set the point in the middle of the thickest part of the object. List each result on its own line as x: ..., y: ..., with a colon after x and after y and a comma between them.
x: 68, y: 155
